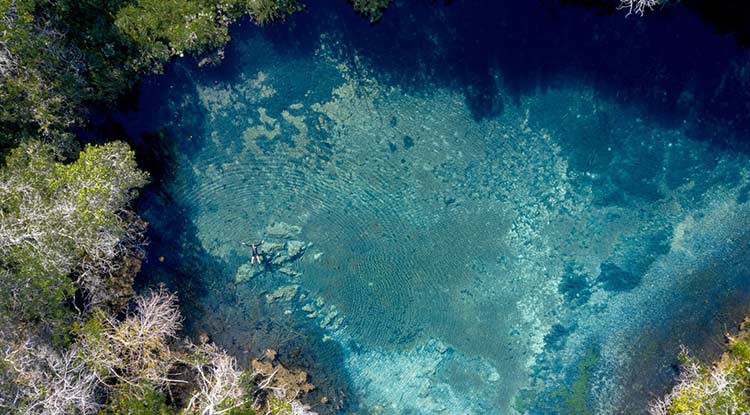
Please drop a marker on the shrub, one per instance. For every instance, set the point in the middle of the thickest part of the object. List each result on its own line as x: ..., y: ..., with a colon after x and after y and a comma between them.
x: 134, y: 351
x: 371, y: 8
x: 49, y: 382
x: 221, y: 386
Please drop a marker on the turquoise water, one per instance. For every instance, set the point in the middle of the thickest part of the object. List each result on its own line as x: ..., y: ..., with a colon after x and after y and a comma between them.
x: 433, y: 249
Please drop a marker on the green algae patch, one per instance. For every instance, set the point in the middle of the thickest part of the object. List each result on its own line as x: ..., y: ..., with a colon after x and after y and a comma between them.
x: 575, y: 398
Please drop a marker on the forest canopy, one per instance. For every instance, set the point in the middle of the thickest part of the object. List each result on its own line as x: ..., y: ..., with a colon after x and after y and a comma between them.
x: 63, y: 219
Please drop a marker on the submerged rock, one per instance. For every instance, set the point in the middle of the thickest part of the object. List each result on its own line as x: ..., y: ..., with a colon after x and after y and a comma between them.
x: 247, y: 271
x: 269, y: 249
x: 282, y: 230
x: 286, y: 293
x: 278, y: 260
x: 277, y: 255
x: 295, y: 249
x: 282, y: 383
x: 119, y: 288
x: 328, y: 317
x: 290, y: 272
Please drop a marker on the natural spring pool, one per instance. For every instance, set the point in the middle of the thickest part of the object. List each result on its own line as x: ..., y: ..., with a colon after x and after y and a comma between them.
x: 468, y: 237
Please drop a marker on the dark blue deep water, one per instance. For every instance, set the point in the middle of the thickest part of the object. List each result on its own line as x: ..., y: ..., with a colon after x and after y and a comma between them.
x: 474, y: 208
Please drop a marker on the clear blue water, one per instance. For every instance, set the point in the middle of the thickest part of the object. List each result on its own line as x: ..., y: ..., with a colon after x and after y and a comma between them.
x: 493, y: 223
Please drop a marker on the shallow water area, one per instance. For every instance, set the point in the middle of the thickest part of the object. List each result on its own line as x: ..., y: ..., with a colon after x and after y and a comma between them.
x: 418, y: 258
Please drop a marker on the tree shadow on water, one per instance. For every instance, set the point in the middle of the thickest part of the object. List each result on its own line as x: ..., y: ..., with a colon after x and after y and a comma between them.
x: 670, y: 63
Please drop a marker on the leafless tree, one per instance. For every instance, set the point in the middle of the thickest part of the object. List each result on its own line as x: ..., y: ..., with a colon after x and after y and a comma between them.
x: 51, y: 383
x: 136, y: 350
x: 639, y: 6
x: 220, y: 387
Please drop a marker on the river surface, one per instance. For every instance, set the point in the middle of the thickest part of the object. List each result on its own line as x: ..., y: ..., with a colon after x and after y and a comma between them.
x: 461, y: 211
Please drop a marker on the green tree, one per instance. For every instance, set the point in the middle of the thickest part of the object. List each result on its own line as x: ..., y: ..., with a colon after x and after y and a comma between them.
x: 60, y: 221
x: 58, y: 56
x: 151, y: 401
x: 163, y: 29
x: 40, y: 76
x: 722, y: 388
x: 371, y: 8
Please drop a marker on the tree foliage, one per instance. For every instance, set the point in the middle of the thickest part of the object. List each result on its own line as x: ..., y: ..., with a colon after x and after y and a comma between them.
x: 163, y: 29
x: 152, y: 401
x: 60, y: 220
x: 58, y: 56
x: 723, y: 388
x: 40, y: 75
x: 371, y: 8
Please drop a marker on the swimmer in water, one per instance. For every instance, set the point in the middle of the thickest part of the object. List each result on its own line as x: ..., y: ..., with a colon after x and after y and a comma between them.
x: 254, y: 256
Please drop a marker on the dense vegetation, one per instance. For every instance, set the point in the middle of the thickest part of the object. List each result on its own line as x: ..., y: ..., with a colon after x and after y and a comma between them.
x: 723, y: 388
x: 57, y: 56
x: 61, y: 220
x: 67, y: 245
